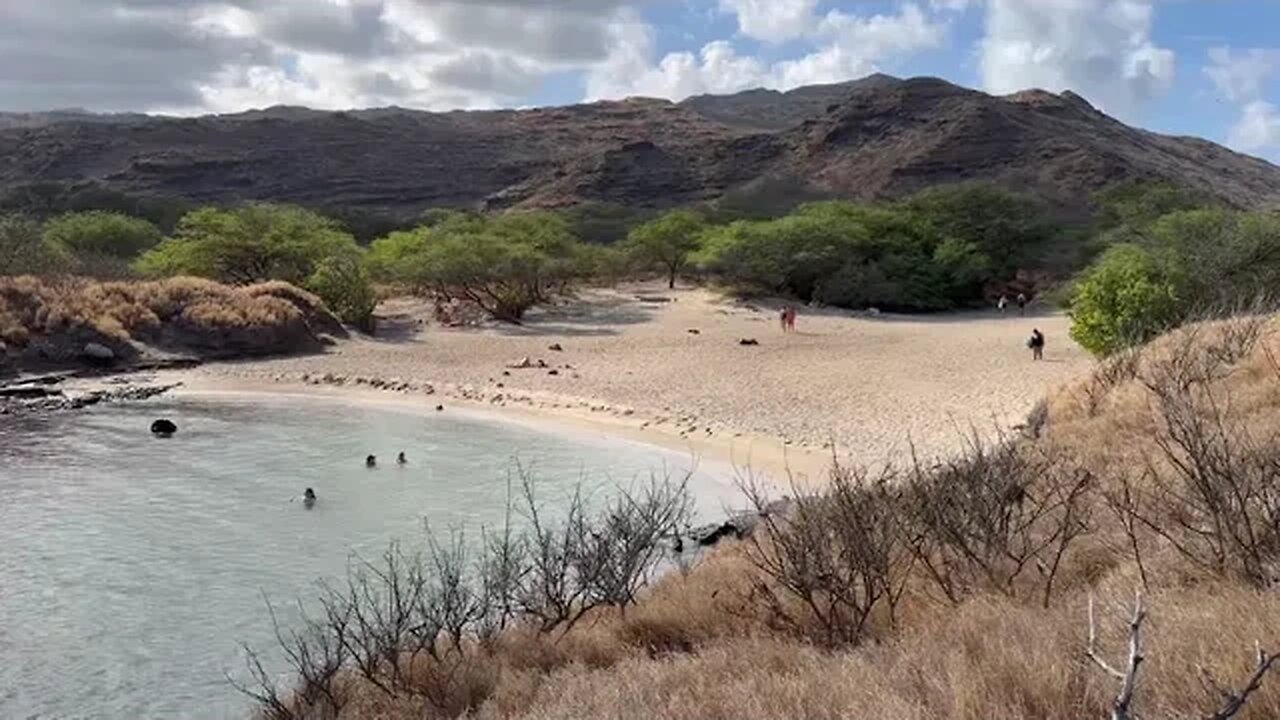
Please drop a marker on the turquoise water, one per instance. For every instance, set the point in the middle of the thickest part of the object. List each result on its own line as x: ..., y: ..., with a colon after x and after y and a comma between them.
x: 132, y: 567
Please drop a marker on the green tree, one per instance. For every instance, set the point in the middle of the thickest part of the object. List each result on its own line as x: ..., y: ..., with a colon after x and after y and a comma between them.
x: 1009, y: 229
x: 667, y: 241
x: 249, y: 244
x: 101, y: 243
x: 343, y: 283
x: 1225, y: 256
x: 398, y: 258
x: 850, y: 255
x: 504, y: 264
x: 1139, y: 203
x: 23, y: 249
x: 1127, y: 297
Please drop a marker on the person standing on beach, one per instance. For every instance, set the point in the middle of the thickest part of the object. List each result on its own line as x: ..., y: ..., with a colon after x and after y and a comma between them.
x: 1002, y: 303
x: 782, y: 318
x: 791, y: 318
x: 1036, y: 343
x: 1022, y: 304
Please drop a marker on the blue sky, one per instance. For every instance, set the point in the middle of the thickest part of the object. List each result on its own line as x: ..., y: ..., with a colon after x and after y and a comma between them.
x: 1199, y: 67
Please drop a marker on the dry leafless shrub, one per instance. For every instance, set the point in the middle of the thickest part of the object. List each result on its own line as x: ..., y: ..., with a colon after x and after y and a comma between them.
x: 1111, y: 372
x: 834, y: 559
x: 316, y: 655
x: 980, y: 520
x: 584, y: 562
x: 418, y: 625
x: 1212, y: 490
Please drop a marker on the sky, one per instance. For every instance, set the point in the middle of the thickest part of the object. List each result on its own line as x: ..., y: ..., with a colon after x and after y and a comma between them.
x: 1198, y: 67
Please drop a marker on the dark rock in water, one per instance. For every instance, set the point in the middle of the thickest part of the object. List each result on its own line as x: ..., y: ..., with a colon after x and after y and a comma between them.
x: 748, y: 341
x: 439, y: 408
x: 739, y: 525
x: 163, y: 428
x: 553, y: 372
x: 709, y: 536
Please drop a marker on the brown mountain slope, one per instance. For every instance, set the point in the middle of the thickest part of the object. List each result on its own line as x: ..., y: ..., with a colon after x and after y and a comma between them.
x: 877, y: 137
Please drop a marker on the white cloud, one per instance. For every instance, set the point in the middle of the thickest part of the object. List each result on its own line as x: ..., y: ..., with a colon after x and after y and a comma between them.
x: 1258, y: 128
x: 1242, y: 76
x: 772, y: 20
x: 845, y: 47
x: 227, y: 55
x: 1101, y: 49
x: 857, y: 46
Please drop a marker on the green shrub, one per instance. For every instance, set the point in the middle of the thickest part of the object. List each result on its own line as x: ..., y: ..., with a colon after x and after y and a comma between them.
x: 98, y: 232
x: 1125, y: 298
x: 342, y: 281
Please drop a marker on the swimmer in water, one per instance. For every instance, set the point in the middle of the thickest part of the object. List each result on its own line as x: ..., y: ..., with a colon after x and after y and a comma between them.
x: 401, y: 459
x: 309, y: 497
x: 371, y: 461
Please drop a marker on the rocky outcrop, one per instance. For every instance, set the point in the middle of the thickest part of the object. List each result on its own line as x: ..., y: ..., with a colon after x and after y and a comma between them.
x: 37, y: 396
x: 874, y: 138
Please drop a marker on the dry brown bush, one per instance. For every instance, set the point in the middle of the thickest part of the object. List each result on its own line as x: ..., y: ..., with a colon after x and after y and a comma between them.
x: 59, y: 315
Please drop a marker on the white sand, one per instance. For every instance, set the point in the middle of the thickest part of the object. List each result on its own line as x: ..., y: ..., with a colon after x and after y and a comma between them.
x: 871, y: 385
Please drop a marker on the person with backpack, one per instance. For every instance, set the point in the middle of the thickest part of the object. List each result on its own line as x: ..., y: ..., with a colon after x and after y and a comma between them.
x: 1036, y: 343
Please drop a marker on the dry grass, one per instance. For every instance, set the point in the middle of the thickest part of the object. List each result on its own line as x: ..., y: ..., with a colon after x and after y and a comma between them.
x: 179, y: 313
x: 702, y: 645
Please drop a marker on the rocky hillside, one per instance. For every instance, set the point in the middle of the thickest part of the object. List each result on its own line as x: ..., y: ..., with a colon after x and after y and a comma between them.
x: 872, y: 138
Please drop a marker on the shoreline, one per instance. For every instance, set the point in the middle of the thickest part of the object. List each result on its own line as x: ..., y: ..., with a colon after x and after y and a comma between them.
x: 761, y: 458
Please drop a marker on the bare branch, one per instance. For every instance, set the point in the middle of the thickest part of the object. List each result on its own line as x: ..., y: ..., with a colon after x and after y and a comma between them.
x: 1233, y: 701
x: 1121, y: 705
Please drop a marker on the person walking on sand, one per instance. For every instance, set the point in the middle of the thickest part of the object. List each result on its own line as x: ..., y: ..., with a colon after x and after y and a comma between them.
x: 1036, y: 343
x: 1022, y: 304
x: 791, y: 318
x: 1002, y: 303
x: 782, y: 318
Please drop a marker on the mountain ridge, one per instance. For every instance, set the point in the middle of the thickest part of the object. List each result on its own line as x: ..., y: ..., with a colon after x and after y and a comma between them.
x: 873, y: 138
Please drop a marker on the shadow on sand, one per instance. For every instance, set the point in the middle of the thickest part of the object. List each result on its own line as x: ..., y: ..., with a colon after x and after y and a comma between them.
x: 594, y: 315
x: 582, y: 317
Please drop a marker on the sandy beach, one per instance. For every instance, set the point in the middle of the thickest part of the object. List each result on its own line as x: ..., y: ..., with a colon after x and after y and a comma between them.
x: 668, y: 368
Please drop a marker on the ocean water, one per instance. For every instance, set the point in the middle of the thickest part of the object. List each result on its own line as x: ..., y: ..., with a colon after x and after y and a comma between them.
x: 133, y: 567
